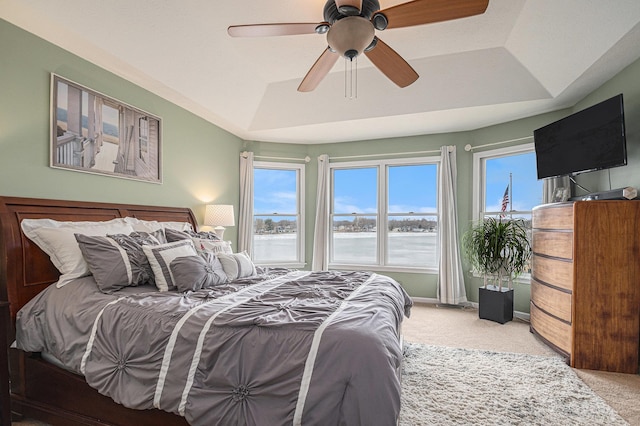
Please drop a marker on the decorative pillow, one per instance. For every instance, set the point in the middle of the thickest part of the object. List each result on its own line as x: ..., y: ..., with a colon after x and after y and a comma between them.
x: 175, y: 235
x: 160, y: 258
x: 203, y: 241
x: 215, y: 247
x: 153, y: 225
x: 57, y: 239
x: 237, y: 265
x: 118, y: 261
x: 197, y: 272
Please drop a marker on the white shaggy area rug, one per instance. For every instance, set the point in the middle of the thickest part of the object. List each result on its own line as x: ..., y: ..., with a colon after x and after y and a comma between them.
x: 449, y: 386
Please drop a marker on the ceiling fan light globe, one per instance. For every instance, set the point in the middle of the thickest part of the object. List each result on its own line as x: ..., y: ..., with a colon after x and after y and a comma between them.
x: 353, y: 33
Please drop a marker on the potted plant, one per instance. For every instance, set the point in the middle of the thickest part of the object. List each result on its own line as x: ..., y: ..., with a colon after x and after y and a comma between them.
x: 499, y: 250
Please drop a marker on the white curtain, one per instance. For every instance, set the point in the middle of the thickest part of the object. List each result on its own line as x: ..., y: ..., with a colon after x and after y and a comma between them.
x: 321, y: 232
x: 245, y: 219
x: 451, y: 289
x: 549, y: 187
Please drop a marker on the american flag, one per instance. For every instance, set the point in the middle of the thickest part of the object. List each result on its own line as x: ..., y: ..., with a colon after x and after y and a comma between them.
x: 505, y: 199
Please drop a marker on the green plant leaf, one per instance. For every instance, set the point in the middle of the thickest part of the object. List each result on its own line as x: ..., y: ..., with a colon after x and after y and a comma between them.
x: 498, y: 247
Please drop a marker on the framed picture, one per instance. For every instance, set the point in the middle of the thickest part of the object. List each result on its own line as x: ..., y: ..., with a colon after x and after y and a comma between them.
x: 93, y: 133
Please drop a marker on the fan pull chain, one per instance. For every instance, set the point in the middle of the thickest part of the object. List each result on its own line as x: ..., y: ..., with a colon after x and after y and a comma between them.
x: 351, y: 78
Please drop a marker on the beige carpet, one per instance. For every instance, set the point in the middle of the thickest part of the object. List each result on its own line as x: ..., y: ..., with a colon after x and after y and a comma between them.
x: 461, y: 328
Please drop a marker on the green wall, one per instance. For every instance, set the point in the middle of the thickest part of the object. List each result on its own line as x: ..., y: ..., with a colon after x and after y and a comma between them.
x: 196, y: 154
x: 201, y: 160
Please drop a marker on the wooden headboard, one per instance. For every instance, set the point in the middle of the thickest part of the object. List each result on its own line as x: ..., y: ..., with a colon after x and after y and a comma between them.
x: 25, y: 270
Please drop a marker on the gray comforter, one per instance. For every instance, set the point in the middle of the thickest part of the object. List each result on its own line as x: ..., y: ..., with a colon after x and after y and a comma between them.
x: 286, y: 347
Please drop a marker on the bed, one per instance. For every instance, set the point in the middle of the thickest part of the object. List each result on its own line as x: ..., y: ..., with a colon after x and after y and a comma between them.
x: 272, y: 346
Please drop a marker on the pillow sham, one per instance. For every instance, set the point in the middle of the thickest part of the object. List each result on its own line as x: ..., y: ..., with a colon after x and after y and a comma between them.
x: 118, y: 261
x: 175, y: 235
x: 237, y: 265
x: 160, y: 258
x: 197, y: 272
x: 203, y: 241
x: 215, y: 247
x: 58, y: 241
x: 153, y: 225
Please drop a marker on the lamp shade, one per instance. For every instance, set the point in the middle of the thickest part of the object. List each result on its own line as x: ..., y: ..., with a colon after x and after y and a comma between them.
x: 219, y: 215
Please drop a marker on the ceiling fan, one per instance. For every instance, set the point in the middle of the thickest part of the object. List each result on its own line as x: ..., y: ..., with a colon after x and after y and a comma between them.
x: 350, y: 26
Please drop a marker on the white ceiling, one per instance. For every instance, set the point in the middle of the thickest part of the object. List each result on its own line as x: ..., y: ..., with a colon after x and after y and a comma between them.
x: 521, y: 57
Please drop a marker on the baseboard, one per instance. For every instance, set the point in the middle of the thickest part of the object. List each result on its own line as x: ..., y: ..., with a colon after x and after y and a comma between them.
x: 524, y: 316
x: 426, y: 300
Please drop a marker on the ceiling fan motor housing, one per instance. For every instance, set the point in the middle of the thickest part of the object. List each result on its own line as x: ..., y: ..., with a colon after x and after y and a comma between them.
x: 332, y: 14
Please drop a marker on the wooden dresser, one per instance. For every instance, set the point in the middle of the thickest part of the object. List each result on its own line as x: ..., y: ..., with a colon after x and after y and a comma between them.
x: 585, y: 287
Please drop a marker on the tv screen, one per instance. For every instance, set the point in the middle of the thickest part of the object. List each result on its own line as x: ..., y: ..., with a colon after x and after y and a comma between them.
x: 591, y: 139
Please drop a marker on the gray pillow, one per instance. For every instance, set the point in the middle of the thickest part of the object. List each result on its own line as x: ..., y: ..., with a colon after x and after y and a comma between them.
x: 160, y: 258
x: 175, y: 235
x: 197, y: 272
x: 118, y: 261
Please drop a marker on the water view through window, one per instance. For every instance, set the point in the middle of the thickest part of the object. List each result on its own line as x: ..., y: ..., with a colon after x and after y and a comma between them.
x: 385, y: 215
x: 276, y: 224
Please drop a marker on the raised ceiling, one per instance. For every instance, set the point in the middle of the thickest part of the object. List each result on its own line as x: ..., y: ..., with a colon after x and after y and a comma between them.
x: 520, y: 58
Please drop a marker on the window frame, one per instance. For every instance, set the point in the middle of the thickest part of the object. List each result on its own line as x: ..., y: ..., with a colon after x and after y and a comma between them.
x: 382, y: 214
x: 479, y: 187
x: 143, y: 138
x: 479, y: 162
x: 300, y: 262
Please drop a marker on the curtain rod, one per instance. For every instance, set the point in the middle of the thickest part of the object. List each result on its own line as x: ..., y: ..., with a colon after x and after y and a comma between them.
x: 468, y: 147
x: 389, y: 153
x: 305, y: 159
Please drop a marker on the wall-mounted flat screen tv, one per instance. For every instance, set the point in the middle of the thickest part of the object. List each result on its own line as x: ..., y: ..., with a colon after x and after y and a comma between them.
x: 591, y: 139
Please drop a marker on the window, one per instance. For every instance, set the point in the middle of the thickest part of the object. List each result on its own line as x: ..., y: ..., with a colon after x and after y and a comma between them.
x: 512, y: 168
x: 278, y: 219
x: 383, y: 214
x: 495, y: 170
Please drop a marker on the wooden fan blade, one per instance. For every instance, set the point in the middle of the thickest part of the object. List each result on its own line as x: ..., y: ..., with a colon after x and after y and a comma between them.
x: 391, y: 64
x: 318, y: 71
x: 349, y: 4
x: 268, y: 30
x: 418, y: 12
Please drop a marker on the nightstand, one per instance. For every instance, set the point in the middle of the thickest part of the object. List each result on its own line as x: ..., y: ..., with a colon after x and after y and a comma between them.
x: 5, y: 398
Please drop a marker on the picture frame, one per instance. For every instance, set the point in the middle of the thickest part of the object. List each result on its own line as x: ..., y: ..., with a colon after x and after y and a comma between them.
x: 95, y: 133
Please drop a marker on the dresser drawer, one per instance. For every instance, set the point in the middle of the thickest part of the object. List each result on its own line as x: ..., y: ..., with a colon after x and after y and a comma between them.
x: 551, y: 300
x: 556, y: 244
x: 552, y: 329
x: 558, y: 273
x: 556, y: 217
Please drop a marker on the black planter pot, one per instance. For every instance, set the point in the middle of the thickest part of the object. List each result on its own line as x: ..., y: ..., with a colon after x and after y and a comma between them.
x: 495, y: 305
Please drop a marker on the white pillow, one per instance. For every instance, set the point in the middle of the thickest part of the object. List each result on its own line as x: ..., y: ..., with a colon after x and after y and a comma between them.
x: 57, y: 239
x: 160, y: 258
x: 153, y: 225
x: 237, y: 265
x: 30, y: 225
x: 212, y: 246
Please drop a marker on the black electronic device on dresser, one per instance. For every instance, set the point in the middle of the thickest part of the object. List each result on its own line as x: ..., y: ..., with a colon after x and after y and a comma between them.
x: 588, y: 140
